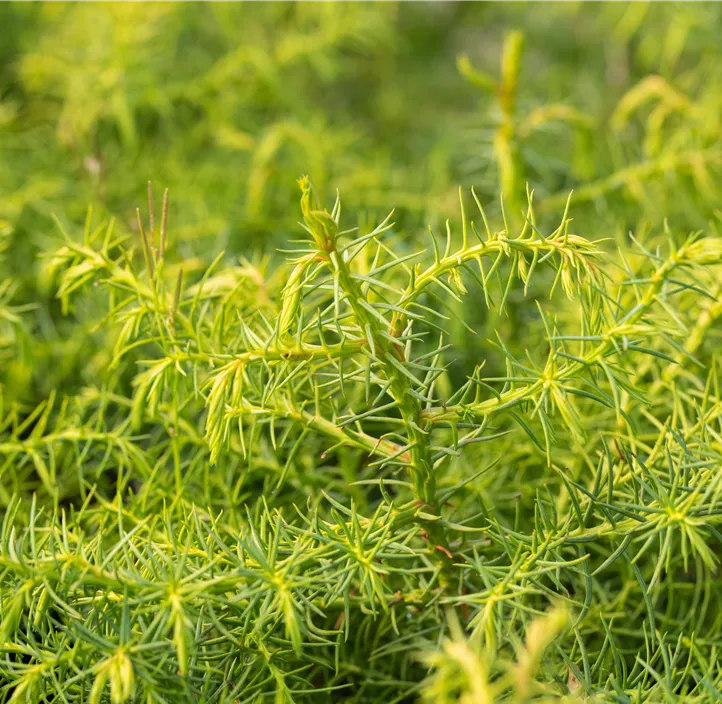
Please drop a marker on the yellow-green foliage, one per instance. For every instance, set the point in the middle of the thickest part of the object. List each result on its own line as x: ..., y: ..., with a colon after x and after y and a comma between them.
x: 429, y: 429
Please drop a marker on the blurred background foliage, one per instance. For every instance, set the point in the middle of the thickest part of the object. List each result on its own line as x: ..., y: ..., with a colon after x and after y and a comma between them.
x: 393, y: 105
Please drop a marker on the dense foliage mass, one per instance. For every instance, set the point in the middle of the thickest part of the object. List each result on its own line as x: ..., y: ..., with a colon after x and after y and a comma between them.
x: 257, y: 446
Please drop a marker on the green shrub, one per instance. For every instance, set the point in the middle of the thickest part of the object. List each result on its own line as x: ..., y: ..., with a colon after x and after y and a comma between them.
x: 470, y: 464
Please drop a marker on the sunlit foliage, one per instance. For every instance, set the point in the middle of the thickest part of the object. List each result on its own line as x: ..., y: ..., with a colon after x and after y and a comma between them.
x: 419, y: 426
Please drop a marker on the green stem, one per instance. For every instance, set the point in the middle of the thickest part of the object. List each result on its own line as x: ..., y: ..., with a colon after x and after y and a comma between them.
x: 421, y: 464
x: 513, y: 397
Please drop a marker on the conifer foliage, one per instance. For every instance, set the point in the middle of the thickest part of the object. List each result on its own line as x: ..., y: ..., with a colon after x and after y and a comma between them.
x: 345, y: 365
x: 474, y: 463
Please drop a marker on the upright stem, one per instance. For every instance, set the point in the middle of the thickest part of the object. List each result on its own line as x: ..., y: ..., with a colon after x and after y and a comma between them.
x: 390, y: 354
x: 409, y: 405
